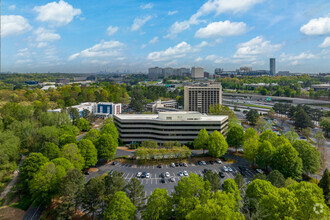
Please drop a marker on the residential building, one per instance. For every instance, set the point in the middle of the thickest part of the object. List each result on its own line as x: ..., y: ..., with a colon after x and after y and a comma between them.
x: 272, y: 69
x: 200, y: 97
x: 167, y: 126
x: 197, y: 72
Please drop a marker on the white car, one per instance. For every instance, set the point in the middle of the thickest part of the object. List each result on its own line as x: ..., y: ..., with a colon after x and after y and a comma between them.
x: 185, y: 173
x: 218, y: 161
x: 148, y: 175
x: 225, y: 169
x: 181, y: 174
x: 167, y: 174
x: 138, y: 175
x: 260, y: 171
x: 230, y: 169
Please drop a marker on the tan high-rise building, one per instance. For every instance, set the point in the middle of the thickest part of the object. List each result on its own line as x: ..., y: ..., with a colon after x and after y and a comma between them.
x: 197, y: 72
x: 199, y: 98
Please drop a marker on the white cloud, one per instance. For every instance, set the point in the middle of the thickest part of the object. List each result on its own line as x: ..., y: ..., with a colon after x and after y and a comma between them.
x: 14, y: 25
x: 202, y: 44
x: 139, y: 22
x: 256, y: 47
x: 222, y: 28
x: 42, y: 44
x: 147, y: 6
x: 317, y: 26
x: 43, y: 34
x: 211, y: 57
x: 23, y: 52
x: 172, y: 12
x: 112, y: 30
x: 180, y: 50
x: 105, y: 49
x: 143, y: 46
x: 12, y: 7
x: 153, y: 40
x: 216, y: 6
x: 59, y: 14
x: 295, y: 59
x: 198, y: 59
x: 325, y: 43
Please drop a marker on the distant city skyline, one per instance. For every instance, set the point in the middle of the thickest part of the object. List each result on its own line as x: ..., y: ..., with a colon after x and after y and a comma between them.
x: 132, y: 36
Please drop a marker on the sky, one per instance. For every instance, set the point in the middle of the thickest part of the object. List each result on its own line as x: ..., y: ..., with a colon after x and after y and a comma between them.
x: 109, y: 35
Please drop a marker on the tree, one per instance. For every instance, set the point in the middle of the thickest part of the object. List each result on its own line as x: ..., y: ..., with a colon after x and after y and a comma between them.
x: 218, y: 109
x: 256, y: 190
x: 217, y: 144
x: 291, y: 136
x: 92, y: 197
x: 120, y: 208
x: 75, y: 115
x: 67, y: 139
x: 262, y: 125
x: 250, y: 149
x: 111, y: 129
x: 302, y: 120
x: 307, y: 132
x: 311, y: 158
x: 31, y: 166
x: 113, y: 183
x: 250, y: 133
x: 106, y: 147
x: 278, y: 204
x: 71, y: 187
x: 93, y: 135
x: 259, y: 176
x: 48, y: 134
x: 239, y: 180
x: 230, y: 186
x: 325, y: 125
x: 201, y: 142
x: 65, y: 163
x: 158, y: 206
x: 214, y: 180
x: 308, y: 195
x: 235, y: 137
x: 51, y: 151
x: 221, y: 205
x: 269, y: 136
x: 265, y: 154
x: 88, y: 151
x: 135, y: 191
x: 71, y: 152
x: 325, y: 185
x: 83, y: 124
x: 189, y: 193
x: 320, y: 139
x: 149, y: 144
x: 276, y: 178
x: 286, y: 160
x: 252, y: 116
x: 46, y: 182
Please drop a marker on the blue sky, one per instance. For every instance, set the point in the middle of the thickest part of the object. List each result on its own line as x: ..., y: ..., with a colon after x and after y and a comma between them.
x: 90, y: 36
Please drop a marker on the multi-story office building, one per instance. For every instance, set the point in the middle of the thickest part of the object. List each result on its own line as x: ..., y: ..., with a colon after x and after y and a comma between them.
x: 167, y: 126
x: 272, y: 69
x: 199, y: 98
x: 157, y: 72
x: 197, y: 72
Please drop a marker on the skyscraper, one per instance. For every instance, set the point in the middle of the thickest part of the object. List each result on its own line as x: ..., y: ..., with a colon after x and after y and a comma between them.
x: 272, y: 66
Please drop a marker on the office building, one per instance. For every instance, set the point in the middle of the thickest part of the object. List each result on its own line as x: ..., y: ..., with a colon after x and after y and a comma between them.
x: 197, y: 72
x: 103, y: 109
x: 63, y: 81
x: 199, y: 98
x: 163, y: 105
x: 272, y: 69
x: 157, y: 72
x: 167, y: 126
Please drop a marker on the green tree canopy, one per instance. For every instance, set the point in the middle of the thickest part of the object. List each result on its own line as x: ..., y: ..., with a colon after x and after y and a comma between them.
x: 269, y: 136
x: 325, y: 124
x: 158, y: 206
x: 265, y: 154
x: 214, y: 180
x: 250, y: 148
x: 201, y: 142
x: 252, y: 116
x: 51, y: 151
x: 65, y: 163
x: 292, y: 136
x: 106, y: 147
x: 135, y: 191
x: 276, y: 178
x: 310, y: 156
x: 83, y: 125
x: 230, y: 186
x: 120, y: 208
x: 235, y: 137
x: 217, y: 144
x: 256, y: 190
x: 67, y: 139
x: 71, y: 152
x: 325, y: 185
x: 111, y: 129
x: 93, y: 135
x: 302, y: 120
x: 250, y: 133
x: 88, y: 151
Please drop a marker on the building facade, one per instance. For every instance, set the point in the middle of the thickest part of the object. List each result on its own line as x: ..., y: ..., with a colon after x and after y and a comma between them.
x: 153, y: 106
x: 167, y: 126
x: 199, y: 98
x: 157, y: 72
x: 197, y: 72
x: 272, y: 69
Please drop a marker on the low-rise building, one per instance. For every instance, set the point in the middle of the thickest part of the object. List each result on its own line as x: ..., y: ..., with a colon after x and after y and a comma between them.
x: 153, y: 106
x: 167, y: 126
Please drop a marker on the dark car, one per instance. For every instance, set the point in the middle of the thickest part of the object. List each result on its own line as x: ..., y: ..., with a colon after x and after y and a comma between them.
x: 205, y: 170
x: 159, y: 166
x: 181, y: 164
x: 176, y: 164
x: 242, y: 169
x: 144, y: 175
x: 163, y: 180
x: 200, y: 163
x: 211, y: 162
x: 115, y: 163
x: 221, y: 175
x: 162, y: 175
x: 86, y: 173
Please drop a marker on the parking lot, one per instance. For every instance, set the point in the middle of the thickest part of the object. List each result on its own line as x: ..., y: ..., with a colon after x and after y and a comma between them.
x: 130, y: 171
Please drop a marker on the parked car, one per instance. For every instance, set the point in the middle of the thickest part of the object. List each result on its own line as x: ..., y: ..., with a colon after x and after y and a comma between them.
x: 138, y: 175
x: 205, y: 170
x: 163, y: 180
x: 230, y: 169
x: 143, y: 175
x: 221, y: 174
x: 185, y: 173
x: 203, y: 162
x: 180, y: 173
x: 225, y: 169
x: 185, y: 165
x: 115, y: 163
x: 211, y: 162
x: 148, y: 175
x: 167, y: 174
x: 218, y: 161
x: 110, y: 172
x: 172, y: 179
x: 172, y: 165
x: 260, y: 171
x: 159, y: 166
x: 200, y: 163
x: 86, y: 173
x: 181, y: 164
x: 176, y: 164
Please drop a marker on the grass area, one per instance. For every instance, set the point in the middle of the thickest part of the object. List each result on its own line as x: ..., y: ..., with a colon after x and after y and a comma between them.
x: 162, y: 162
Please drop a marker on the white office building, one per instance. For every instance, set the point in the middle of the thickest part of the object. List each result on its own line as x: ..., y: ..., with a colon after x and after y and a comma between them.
x: 167, y: 126
x: 197, y: 72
